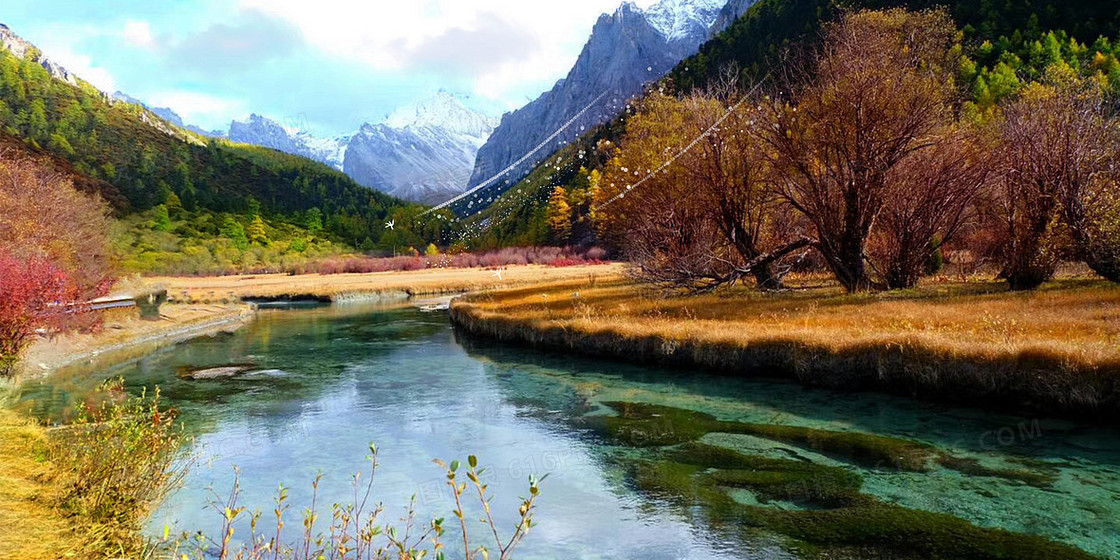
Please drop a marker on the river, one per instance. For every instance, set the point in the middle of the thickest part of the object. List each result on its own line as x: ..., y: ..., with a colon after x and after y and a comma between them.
x: 326, y: 381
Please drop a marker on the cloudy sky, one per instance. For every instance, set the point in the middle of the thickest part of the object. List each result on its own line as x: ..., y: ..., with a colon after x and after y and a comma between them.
x: 320, y: 65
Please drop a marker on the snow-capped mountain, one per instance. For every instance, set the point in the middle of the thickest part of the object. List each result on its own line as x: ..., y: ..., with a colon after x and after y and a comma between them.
x: 684, y: 20
x: 626, y: 50
x: 423, y: 152
x: 263, y: 131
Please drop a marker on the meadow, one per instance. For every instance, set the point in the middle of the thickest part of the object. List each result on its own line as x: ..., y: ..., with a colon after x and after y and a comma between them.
x: 1055, y: 350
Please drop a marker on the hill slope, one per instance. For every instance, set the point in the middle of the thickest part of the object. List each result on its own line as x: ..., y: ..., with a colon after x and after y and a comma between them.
x: 149, y: 162
x: 1008, y: 42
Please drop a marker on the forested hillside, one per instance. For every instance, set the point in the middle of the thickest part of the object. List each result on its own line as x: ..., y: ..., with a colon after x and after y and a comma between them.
x: 1006, y: 46
x: 146, y: 168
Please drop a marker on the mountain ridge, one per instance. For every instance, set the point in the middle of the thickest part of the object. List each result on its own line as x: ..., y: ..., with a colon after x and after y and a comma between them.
x: 627, y: 49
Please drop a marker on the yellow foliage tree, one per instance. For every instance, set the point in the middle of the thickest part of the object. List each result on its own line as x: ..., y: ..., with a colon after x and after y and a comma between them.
x: 258, y: 233
x: 431, y: 250
x: 559, y: 215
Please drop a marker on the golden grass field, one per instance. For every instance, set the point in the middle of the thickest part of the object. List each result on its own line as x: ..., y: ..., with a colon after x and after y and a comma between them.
x: 1055, y: 349
x: 416, y: 282
x: 30, y: 527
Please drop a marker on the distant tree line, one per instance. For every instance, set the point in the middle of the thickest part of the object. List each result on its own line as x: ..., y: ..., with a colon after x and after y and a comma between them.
x: 145, y: 162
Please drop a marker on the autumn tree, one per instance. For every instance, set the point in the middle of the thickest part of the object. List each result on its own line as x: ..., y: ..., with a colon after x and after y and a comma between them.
x: 32, y: 293
x: 559, y: 215
x: 879, y: 90
x: 702, y: 217
x: 1089, y: 188
x: 53, y: 254
x: 928, y: 200
x: 1058, y: 154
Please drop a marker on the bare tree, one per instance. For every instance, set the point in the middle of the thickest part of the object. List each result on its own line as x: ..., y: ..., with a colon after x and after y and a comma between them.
x: 1057, y: 153
x: 880, y: 90
x: 711, y: 218
x: 929, y: 198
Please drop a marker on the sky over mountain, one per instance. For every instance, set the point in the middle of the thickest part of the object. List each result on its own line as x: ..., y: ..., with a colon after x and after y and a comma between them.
x: 318, y: 66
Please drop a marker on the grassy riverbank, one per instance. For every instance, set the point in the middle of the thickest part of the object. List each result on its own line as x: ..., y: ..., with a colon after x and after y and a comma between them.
x: 30, y: 526
x: 1053, y: 351
x: 83, y: 490
x: 210, y: 289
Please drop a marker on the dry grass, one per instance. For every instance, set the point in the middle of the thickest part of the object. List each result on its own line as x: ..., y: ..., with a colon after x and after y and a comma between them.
x: 1057, y: 349
x: 30, y: 527
x: 418, y: 282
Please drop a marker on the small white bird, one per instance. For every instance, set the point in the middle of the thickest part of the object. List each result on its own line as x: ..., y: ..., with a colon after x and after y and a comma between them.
x: 498, y: 273
x: 390, y: 224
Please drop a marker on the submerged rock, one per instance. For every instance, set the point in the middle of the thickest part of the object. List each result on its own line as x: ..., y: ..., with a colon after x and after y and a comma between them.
x: 221, y: 372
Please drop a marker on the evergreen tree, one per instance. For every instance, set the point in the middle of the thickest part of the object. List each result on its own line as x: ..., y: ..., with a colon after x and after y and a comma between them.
x: 162, y: 219
x: 258, y: 232
x: 233, y: 230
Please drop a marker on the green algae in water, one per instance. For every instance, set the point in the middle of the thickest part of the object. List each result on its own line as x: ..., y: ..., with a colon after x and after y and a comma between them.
x: 644, y: 424
x: 845, y: 518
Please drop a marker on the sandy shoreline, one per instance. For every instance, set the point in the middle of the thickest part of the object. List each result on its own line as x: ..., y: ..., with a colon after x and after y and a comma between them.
x: 122, y: 336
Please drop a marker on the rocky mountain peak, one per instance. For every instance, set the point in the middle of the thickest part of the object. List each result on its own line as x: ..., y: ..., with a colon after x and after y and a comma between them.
x: 21, y: 48
x: 441, y: 110
x: 682, y: 19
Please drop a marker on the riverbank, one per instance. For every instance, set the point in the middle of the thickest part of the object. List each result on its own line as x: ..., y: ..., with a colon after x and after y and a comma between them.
x: 1054, y: 351
x: 125, y: 333
x: 372, y: 286
x: 31, y: 528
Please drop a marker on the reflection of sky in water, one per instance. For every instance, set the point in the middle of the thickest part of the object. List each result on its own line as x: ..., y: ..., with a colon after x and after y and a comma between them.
x: 344, y: 377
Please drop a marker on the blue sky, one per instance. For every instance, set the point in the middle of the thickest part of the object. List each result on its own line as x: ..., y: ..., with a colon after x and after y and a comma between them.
x: 325, y: 66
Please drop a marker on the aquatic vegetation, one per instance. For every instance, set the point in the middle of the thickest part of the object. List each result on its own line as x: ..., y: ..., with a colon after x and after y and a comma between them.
x: 972, y: 467
x: 802, y: 482
x: 642, y: 424
x: 841, y: 517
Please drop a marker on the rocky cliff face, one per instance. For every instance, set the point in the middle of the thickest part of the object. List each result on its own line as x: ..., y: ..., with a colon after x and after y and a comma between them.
x: 730, y: 12
x: 627, y: 50
x: 21, y: 48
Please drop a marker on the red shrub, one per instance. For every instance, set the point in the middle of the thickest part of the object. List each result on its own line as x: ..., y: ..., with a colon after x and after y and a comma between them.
x: 551, y: 256
x: 34, y: 294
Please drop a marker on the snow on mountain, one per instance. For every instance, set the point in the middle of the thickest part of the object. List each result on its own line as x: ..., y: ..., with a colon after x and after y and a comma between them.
x: 263, y: 131
x: 627, y: 49
x: 442, y: 111
x: 683, y: 19
x: 423, y: 152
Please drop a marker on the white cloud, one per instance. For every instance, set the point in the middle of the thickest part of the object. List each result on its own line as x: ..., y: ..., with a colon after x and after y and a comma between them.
x: 138, y: 33
x: 384, y: 34
x: 194, y: 106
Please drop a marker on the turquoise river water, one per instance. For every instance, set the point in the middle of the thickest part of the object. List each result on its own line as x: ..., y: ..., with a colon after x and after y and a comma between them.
x: 327, y: 381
